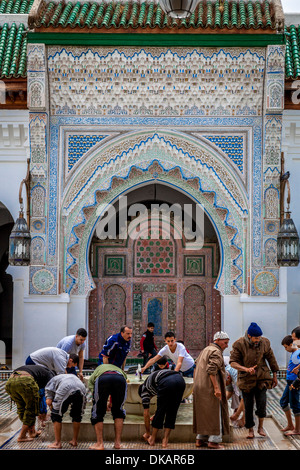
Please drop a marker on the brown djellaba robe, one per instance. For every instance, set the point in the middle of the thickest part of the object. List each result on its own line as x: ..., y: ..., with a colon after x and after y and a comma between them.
x: 206, y: 407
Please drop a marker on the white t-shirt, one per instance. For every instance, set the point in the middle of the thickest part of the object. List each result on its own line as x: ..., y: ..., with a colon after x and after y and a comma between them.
x: 180, y: 351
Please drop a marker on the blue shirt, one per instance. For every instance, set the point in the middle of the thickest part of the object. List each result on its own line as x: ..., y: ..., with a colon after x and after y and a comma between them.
x: 294, y: 361
x: 116, y: 349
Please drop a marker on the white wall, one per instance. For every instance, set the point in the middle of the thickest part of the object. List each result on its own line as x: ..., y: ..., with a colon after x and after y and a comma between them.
x: 270, y: 313
x: 13, y: 157
x: 13, y: 169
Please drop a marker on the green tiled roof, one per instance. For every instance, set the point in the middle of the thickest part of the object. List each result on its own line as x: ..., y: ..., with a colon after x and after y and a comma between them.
x: 13, y: 50
x: 240, y: 14
x: 15, y: 6
x: 292, y: 54
x: 13, y: 41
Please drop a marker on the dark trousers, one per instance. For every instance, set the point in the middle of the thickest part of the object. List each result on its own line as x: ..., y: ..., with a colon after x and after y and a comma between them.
x: 147, y: 355
x: 106, y: 385
x: 260, y: 398
x: 169, y: 396
x: 76, y: 402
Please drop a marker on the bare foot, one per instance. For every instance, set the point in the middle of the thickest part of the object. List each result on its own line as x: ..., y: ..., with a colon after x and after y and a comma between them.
x: 97, y: 447
x: 35, y: 434
x: 146, y: 436
x: 164, y: 443
x: 151, y: 441
x: 25, y: 439
x: 117, y: 445
x: 200, y: 443
x: 250, y: 435
x: 73, y: 443
x: 288, y: 428
x: 234, y: 417
x: 55, y: 445
x: 261, y: 432
x: 240, y: 423
x: 294, y: 432
x: 214, y: 445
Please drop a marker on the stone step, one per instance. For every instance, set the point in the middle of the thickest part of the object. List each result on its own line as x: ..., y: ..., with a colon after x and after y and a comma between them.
x: 133, y: 428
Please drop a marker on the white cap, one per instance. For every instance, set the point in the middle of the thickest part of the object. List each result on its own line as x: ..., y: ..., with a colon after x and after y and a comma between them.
x: 221, y: 335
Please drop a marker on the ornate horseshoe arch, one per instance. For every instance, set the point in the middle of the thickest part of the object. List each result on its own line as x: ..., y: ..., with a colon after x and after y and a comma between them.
x: 182, y: 161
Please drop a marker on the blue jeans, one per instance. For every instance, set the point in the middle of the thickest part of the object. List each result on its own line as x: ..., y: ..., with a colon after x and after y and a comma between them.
x: 290, y: 399
x: 189, y: 372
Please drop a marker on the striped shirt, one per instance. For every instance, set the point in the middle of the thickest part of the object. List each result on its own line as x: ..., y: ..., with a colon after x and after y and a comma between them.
x: 151, y: 385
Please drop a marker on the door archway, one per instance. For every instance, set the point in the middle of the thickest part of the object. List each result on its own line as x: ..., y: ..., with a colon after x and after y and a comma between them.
x: 155, y: 278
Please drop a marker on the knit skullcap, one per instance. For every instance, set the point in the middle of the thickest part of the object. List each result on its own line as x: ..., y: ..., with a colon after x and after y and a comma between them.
x: 254, y: 330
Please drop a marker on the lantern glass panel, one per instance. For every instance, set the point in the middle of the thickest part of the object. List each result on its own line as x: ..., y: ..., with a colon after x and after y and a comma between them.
x: 19, y: 244
x: 288, y: 244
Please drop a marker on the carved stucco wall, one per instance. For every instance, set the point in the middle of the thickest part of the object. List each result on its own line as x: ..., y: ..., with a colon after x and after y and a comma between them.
x: 205, y: 120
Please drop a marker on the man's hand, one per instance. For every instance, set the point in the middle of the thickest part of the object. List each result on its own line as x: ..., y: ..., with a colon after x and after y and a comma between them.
x: 49, y: 402
x: 80, y: 376
x: 274, y: 381
x: 251, y: 370
x: 217, y: 393
x: 229, y: 380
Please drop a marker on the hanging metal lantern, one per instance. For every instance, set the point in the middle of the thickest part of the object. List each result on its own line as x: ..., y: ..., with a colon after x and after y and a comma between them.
x: 178, y: 8
x: 288, y: 243
x: 287, y: 238
x: 19, y: 243
x: 20, y: 238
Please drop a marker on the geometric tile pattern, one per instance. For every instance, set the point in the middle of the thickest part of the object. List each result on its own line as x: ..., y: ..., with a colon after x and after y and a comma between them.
x: 154, y: 257
x: 233, y: 146
x: 42, y: 280
x: 194, y: 265
x: 114, y: 265
x: 78, y: 145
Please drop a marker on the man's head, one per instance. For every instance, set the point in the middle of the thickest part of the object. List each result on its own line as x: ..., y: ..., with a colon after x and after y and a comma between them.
x: 150, y: 327
x: 170, y: 338
x: 126, y: 332
x: 162, y: 362
x: 221, y: 339
x: 80, y: 336
x: 254, y: 333
x: 73, y: 360
x: 288, y: 343
x: 296, y: 335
